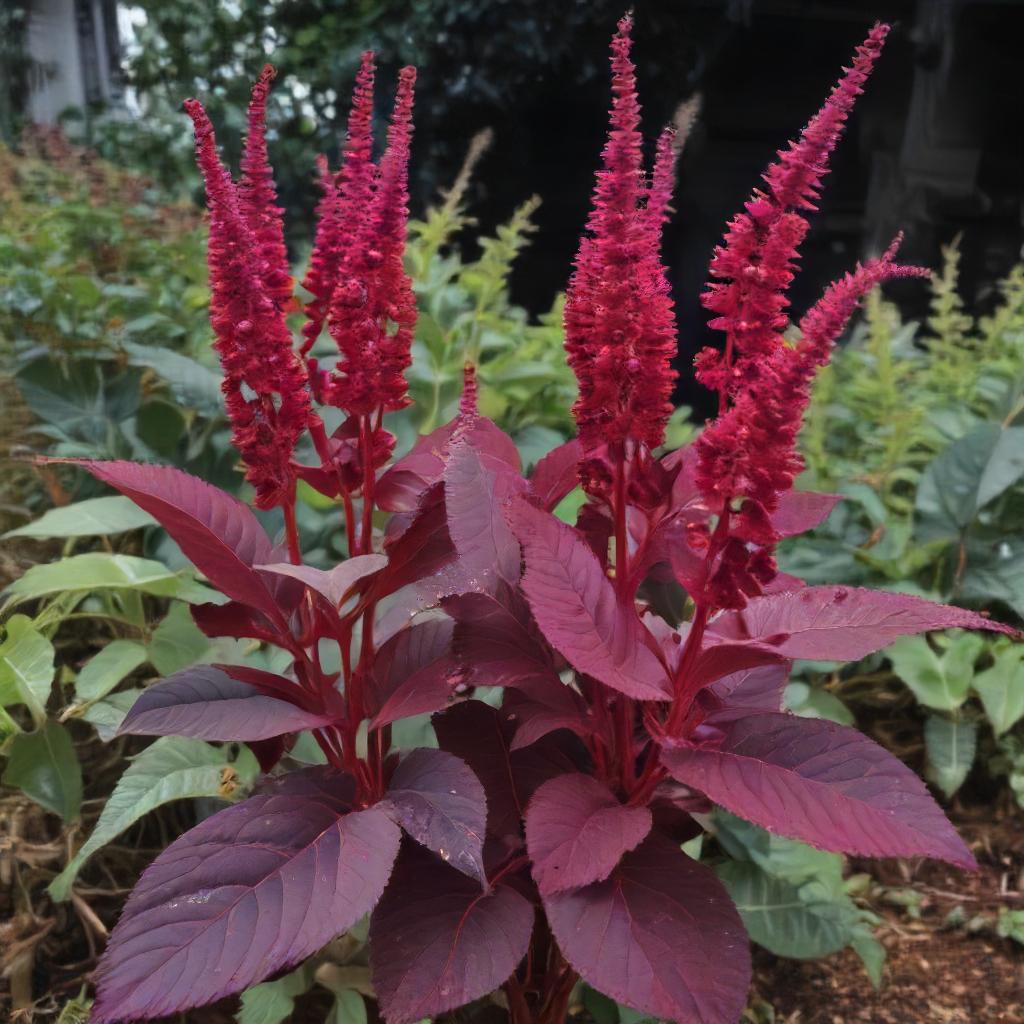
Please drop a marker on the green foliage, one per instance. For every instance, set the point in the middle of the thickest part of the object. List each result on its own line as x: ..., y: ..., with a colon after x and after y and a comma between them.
x: 792, y: 898
x: 922, y: 431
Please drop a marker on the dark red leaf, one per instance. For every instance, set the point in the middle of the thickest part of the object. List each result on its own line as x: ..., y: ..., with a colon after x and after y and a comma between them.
x: 800, y: 511
x: 556, y: 474
x: 840, y: 623
x: 474, y: 499
x: 821, y: 783
x: 747, y: 692
x: 249, y: 891
x: 437, y: 799
x: 718, y: 660
x: 437, y: 942
x: 482, y: 737
x: 219, y: 534
x: 206, y: 703
x: 238, y: 621
x: 535, y: 720
x: 660, y: 936
x: 576, y: 608
x: 577, y: 831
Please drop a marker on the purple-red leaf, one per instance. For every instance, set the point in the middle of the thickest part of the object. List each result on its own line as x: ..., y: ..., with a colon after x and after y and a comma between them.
x: 660, y: 936
x: 437, y: 942
x: 247, y: 892
x: 556, y: 474
x: 800, y: 511
x: 482, y: 737
x: 576, y: 608
x: 821, y: 783
x: 437, y: 799
x: 474, y: 496
x: 747, y: 692
x: 335, y: 584
x: 206, y: 703
x: 217, y: 533
x: 840, y: 623
x: 577, y: 831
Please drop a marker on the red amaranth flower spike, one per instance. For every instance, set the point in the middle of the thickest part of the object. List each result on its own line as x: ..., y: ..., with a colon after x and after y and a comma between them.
x: 257, y: 197
x: 373, y: 310
x: 619, y: 325
x: 344, y: 205
x: 251, y: 335
x: 749, y: 454
x: 756, y: 261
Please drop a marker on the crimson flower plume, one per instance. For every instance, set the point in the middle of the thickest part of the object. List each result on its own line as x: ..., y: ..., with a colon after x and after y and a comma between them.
x: 264, y: 383
x: 373, y: 309
x: 620, y: 332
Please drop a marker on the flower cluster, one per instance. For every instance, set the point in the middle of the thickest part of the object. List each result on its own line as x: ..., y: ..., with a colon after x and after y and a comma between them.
x: 620, y: 332
x: 264, y: 381
x: 371, y: 308
x: 748, y: 456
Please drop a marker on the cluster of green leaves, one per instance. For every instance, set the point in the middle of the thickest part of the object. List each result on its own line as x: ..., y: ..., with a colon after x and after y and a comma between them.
x: 921, y: 429
x: 55, y: 697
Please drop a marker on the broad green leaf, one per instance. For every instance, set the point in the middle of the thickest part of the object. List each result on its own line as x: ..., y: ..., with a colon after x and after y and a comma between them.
x: 813, y: 702
x: 917, y: 664
x: 173, y: 768
x: 26, y: 667
x: 871, y: 952
x: 98, y: 570
x: 90, y: 518
x: 781, y: 919
x: 44, y: 766
x: 971, y: 472
x: 273, y: 1001
x: 102, y: 672
x: 177, y: 642
x: 1001, y: 689
x: 950, y: 746
x: 995, y: 572
x: 106, y: 715
x: 191, y: 383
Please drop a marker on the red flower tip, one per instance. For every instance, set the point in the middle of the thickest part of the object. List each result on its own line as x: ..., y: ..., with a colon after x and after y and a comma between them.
x: 373, y: 309
x: 620, y: 332
x: 258, y: 197
x: 264, y: 383
x: 344, y: 205
x: 756, y: 262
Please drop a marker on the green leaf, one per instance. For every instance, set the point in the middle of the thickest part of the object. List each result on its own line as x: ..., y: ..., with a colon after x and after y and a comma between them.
x: 44, y: 766
x: 970, y: 473
x: 102, y: 672
x: 871, y: 952
x: 273, y: 1001
x: 349, y: 1008
x: 26, y: 667
x: 1001, y: 689
x: 996, y: 573
x: 782, y: 919
x: 950, y: 746
x: 812, y: 702
x: 98, y: 570
x: 106, y: 715
x: 91, y: 518
x: 173, y: 768
x: 177, y: 642
x: 931, y: 680
x: 191, y: 383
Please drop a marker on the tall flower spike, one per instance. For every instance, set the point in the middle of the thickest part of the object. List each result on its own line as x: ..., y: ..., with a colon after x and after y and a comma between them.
x: 619, y: 323
x: 344, y: 206
x: 748, y: 456
x: 264, y: 383
x: 755, y: 264
x: 258, y: 197
x: 373, y: 310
